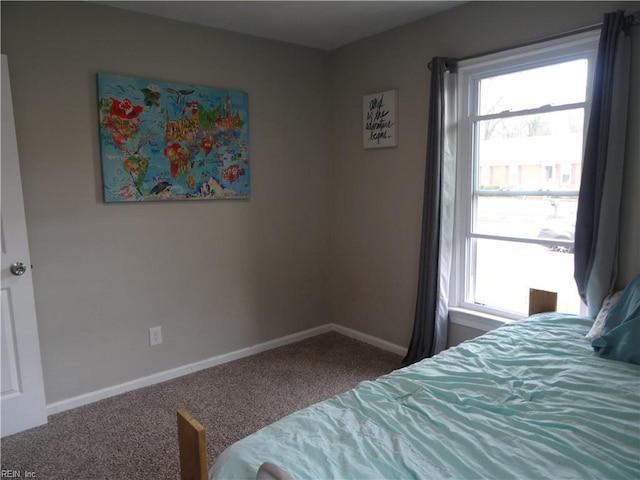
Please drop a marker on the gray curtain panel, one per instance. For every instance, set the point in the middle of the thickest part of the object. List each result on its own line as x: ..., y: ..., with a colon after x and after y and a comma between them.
x: 596, y: 236
x: 431, y: 317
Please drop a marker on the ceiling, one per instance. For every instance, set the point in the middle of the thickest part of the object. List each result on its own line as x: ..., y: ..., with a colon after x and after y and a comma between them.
x: 319, y: 24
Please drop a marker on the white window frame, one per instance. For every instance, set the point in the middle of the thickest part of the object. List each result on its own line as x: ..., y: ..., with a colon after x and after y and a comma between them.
x: 470, y: 72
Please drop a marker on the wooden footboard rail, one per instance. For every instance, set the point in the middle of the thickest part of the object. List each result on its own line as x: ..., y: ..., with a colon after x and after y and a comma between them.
x: 193, y: 448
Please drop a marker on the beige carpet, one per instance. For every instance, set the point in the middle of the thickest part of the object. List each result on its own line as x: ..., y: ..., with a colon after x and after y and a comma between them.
x: 134, y: 435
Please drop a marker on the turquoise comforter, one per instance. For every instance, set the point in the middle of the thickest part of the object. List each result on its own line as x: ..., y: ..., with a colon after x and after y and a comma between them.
x: 528, y: 401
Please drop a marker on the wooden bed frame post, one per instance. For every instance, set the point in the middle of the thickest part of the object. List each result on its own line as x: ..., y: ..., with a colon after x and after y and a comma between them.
x: 193, y: 448
x: 541, y: 301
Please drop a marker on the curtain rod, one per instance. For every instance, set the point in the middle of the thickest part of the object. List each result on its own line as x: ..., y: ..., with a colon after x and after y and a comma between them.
x: 533, y: 42
x: 631, y: 20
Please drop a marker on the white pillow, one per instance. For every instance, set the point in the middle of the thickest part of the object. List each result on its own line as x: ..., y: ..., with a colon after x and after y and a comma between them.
x: 598, y: 325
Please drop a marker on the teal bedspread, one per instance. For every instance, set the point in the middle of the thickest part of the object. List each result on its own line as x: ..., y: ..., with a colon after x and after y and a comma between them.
x: 528, y: 400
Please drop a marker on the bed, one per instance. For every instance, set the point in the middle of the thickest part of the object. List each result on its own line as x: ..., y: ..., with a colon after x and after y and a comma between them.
x: 530, y: 399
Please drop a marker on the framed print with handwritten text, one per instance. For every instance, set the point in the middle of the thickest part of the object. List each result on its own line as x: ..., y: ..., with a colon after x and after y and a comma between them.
x: 379, y: 119
x: 170, y: 141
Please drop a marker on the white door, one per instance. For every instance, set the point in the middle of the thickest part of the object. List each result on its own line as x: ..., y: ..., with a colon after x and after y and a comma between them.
x: 22, y: 396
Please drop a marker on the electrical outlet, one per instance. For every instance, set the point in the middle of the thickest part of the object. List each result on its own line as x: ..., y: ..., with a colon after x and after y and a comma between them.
x: 155, y: 336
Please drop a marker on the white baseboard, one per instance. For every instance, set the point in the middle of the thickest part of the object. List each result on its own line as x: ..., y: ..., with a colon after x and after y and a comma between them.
x: 97, y: 395
x: 160, y: 377
x: 375, y: 341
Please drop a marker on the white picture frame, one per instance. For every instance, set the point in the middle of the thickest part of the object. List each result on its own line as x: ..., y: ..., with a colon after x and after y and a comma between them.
x: 379, y: 120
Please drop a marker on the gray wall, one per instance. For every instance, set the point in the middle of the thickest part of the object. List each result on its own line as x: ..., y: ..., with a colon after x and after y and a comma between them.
x: 460, y: 333
x: 331, y: 233
x: 377, y: 194
x: 217, y: 276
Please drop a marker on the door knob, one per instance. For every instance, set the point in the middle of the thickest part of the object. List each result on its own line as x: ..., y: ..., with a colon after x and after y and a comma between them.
x: 18, y: 268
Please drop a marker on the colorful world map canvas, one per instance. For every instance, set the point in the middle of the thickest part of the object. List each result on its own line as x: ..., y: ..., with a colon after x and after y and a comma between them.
x: 169, y: 141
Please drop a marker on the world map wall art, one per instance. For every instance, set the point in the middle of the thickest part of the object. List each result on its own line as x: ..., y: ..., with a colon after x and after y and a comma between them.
x: 169, y: 141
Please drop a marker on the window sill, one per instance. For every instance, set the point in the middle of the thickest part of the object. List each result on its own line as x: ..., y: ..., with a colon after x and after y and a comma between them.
x: 476, y: 320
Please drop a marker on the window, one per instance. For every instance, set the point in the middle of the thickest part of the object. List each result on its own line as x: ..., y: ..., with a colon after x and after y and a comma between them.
x: 521, y: 129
